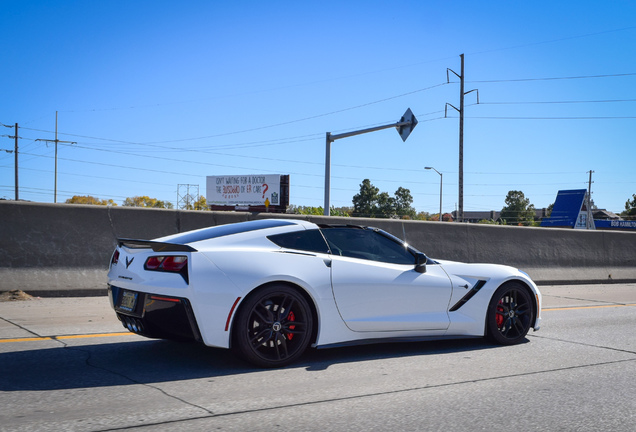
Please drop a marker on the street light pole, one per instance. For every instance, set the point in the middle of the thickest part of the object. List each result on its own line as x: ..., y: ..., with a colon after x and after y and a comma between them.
x: 327, y: 207
x: 441, y: 179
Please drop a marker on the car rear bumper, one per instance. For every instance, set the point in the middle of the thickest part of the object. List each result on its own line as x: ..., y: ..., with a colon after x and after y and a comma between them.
x: 154, y: 315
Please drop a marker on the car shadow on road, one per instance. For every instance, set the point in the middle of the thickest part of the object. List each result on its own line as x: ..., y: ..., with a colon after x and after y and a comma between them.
x: 321, y: 359
x: 157, y: 361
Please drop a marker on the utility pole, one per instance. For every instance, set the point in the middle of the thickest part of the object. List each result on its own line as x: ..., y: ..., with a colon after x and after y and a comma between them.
x: 462, y: 93
x: 17, y: 195
x: 56, y: 141
x: 461, y: 141
x: 589, y: 223
x: 15, y: 152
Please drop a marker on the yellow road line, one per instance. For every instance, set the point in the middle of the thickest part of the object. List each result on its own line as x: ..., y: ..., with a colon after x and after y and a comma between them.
x: 31, y: 339
x: 587, y: 307
x: 26, y: 339
x: 96, y: 335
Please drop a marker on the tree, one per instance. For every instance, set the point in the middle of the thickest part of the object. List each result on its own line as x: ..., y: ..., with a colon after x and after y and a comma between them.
x: 370, y: 202
x: 488, y: 222
x: 365, y: 202
x: 146, y: 201
x: 518, y: 210
x: 403, y: 203
x: 385, y: 207
x: 306, y: 210
x: 446, y: 217
x: 548, y: 211
x: 319, y: 211
x: 630, y: 208
x: 87, y: 199
x: 341, y: 211
x: 201, y: 204
x: 424, y: 216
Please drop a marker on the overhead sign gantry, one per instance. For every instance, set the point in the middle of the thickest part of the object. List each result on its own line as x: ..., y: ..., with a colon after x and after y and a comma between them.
x: 404, y: 127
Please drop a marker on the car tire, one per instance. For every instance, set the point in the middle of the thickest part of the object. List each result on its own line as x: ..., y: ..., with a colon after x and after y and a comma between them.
x: 273, y: 326
x: 510, y: 314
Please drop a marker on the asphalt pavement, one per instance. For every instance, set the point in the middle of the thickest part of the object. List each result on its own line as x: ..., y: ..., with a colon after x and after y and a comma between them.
x: 65, y: 316
x: 68, y: 364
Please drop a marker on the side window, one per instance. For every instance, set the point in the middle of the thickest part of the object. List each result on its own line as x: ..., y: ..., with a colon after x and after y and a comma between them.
x: 366, y: 244
x: 306, y: 240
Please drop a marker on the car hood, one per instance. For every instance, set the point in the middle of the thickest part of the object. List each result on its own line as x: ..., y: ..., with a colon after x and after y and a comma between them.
x: 481, y: 270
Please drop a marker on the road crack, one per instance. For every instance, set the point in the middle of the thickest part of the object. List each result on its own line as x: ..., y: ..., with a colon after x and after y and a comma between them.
x: 89, y: 363
x: 600, y: 302
x: 584, y: 344
x: 21, y: 327
x: 370, y: 395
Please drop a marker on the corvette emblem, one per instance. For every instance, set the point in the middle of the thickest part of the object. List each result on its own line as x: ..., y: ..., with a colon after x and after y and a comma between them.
x: 128, y: 263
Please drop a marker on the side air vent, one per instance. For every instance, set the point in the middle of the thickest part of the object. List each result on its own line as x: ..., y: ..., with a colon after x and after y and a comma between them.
x: 475, y: 289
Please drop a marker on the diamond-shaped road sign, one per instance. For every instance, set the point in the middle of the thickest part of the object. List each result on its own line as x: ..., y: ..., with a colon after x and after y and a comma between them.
x: 409, y: 121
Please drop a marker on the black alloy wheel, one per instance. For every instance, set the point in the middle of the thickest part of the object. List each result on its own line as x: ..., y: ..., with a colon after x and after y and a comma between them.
x: 273, y: 326
x: 510, y: 314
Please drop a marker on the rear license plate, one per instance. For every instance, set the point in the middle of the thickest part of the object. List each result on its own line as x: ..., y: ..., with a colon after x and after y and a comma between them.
x: 128, y: 301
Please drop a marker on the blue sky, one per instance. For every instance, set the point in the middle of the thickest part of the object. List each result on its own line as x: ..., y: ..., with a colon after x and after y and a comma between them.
x: 158, y: 93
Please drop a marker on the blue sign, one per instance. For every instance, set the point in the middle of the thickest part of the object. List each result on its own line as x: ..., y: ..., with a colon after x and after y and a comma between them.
x: 615, y: 224
x: 566, y: 210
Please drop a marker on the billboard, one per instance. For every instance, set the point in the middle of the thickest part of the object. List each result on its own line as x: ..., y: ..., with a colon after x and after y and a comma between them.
x: 244, y: 190
x: 569, y: 210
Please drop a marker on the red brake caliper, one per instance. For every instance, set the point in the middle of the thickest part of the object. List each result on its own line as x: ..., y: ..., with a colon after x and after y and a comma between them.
x: 291, y: 317
x: 499, y: 317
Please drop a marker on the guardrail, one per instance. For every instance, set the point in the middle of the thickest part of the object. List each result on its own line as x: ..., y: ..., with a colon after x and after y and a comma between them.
x: 64, y: 249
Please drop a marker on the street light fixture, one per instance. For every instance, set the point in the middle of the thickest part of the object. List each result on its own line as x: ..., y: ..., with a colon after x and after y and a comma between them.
x: 441, y: 178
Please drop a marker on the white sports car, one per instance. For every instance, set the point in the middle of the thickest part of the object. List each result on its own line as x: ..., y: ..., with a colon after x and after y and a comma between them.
x: 270, y: 288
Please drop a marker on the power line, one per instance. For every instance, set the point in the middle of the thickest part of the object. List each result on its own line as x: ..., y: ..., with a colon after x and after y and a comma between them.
x: 554, y: 40
x: 555, y: 78
x: 558, y: 102
x: 364, y: 105
x: 354, y: 75
x: 309, y: 137
x: 121, y: 166
x: 111, y: 179
x: 281, y: 123
x: 283, y: 160
x: 555, y: 118
x: 42, y: 191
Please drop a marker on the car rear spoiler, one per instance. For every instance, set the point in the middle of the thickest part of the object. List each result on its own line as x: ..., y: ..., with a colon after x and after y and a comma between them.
x: 154, y: 245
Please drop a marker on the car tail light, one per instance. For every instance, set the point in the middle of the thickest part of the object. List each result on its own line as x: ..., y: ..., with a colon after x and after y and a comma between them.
x: 165, y: 299
x: 115, y: 258
x: 171, y: 264
x: 153, y: 263
x: 174, y: 263
x: 166, y: 263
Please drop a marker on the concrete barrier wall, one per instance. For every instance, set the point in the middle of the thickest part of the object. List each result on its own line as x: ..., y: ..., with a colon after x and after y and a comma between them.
x: 65, y: 249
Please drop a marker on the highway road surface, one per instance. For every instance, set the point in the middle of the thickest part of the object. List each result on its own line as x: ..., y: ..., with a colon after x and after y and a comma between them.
x: 68, y: 364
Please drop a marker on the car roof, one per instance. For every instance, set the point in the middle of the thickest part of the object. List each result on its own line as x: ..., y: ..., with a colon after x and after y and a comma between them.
x: 235, y: 228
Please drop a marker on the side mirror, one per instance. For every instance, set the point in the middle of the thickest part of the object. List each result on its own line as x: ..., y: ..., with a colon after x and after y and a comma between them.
x: 420, y: 263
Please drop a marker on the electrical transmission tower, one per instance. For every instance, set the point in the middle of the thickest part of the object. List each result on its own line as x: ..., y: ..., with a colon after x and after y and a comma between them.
x: 187, y: 196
